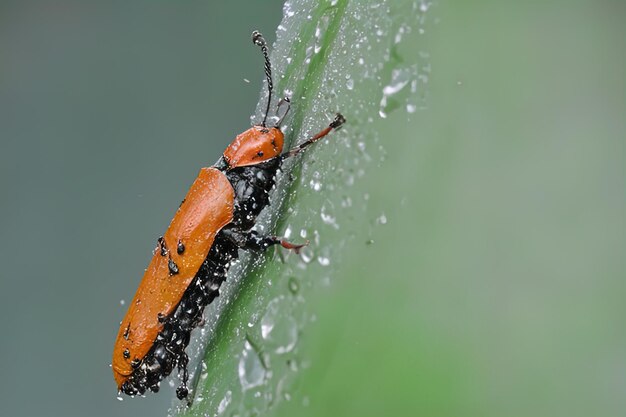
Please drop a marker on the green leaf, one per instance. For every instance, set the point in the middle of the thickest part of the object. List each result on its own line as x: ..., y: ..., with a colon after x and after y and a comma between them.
x: 329, y: 56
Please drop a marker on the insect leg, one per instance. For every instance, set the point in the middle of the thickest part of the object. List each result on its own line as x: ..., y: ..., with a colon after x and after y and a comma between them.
x: 284, y: 100
x: 182, y: 391
x: 253, y: 241
x: 335, y: 124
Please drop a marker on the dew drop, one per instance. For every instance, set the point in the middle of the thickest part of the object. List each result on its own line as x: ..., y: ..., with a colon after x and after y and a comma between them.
x: 328, y: 219
x: 251, y: 370
x: 324, y: 261
x: 204, y: 374
x: 400, y: 78
x: 306, y: 254
x: 402, y: 30
x: 318, y: 36
x: 315, y: 185
x: 225, y: 402
x: 293, y: 285
x: 278, y: 329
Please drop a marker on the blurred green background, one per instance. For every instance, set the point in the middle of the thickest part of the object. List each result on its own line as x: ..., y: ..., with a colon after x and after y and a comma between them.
x: 496, y: 286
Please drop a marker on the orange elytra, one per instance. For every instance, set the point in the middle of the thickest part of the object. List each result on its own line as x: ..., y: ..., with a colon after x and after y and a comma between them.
x: 192, y: 258
x: 206, y: 209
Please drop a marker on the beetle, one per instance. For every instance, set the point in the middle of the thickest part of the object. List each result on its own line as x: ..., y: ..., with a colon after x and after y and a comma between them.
x: 192, y: 258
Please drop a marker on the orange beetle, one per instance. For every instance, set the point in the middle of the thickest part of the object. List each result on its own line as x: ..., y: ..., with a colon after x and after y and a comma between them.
x: 192, y: 258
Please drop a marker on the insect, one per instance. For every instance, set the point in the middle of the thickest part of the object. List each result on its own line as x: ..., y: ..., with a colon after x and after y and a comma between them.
x: 192, y: 258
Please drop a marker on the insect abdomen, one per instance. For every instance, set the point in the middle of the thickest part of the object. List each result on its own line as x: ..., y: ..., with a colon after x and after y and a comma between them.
x: 168, y: 350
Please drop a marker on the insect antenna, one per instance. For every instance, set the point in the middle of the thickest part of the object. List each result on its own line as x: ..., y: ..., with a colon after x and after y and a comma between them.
x: 258, y: 39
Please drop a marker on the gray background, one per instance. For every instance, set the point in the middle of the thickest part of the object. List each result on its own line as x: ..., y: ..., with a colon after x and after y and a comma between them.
x: 107, y: 111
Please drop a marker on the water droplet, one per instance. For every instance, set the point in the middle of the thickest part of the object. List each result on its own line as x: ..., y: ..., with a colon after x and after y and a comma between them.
x: 279, y: 329
x: 122, y: 302
x: 318, y: 36
x: 328, y: 219
x: 224, y: 403
x: 382, y: 219
x: 306, y: 254
x: 324, y: 261
x: 350, y: 84
x: 294, y: 285
x: 399, y: 79
x: 204, y: 372
x: 315, y: 185
x: 320, y: 30
x: 402, y: 30
x: 251, y: 370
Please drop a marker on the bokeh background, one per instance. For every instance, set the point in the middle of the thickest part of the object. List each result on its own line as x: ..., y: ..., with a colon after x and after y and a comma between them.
x: 495, y: 286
